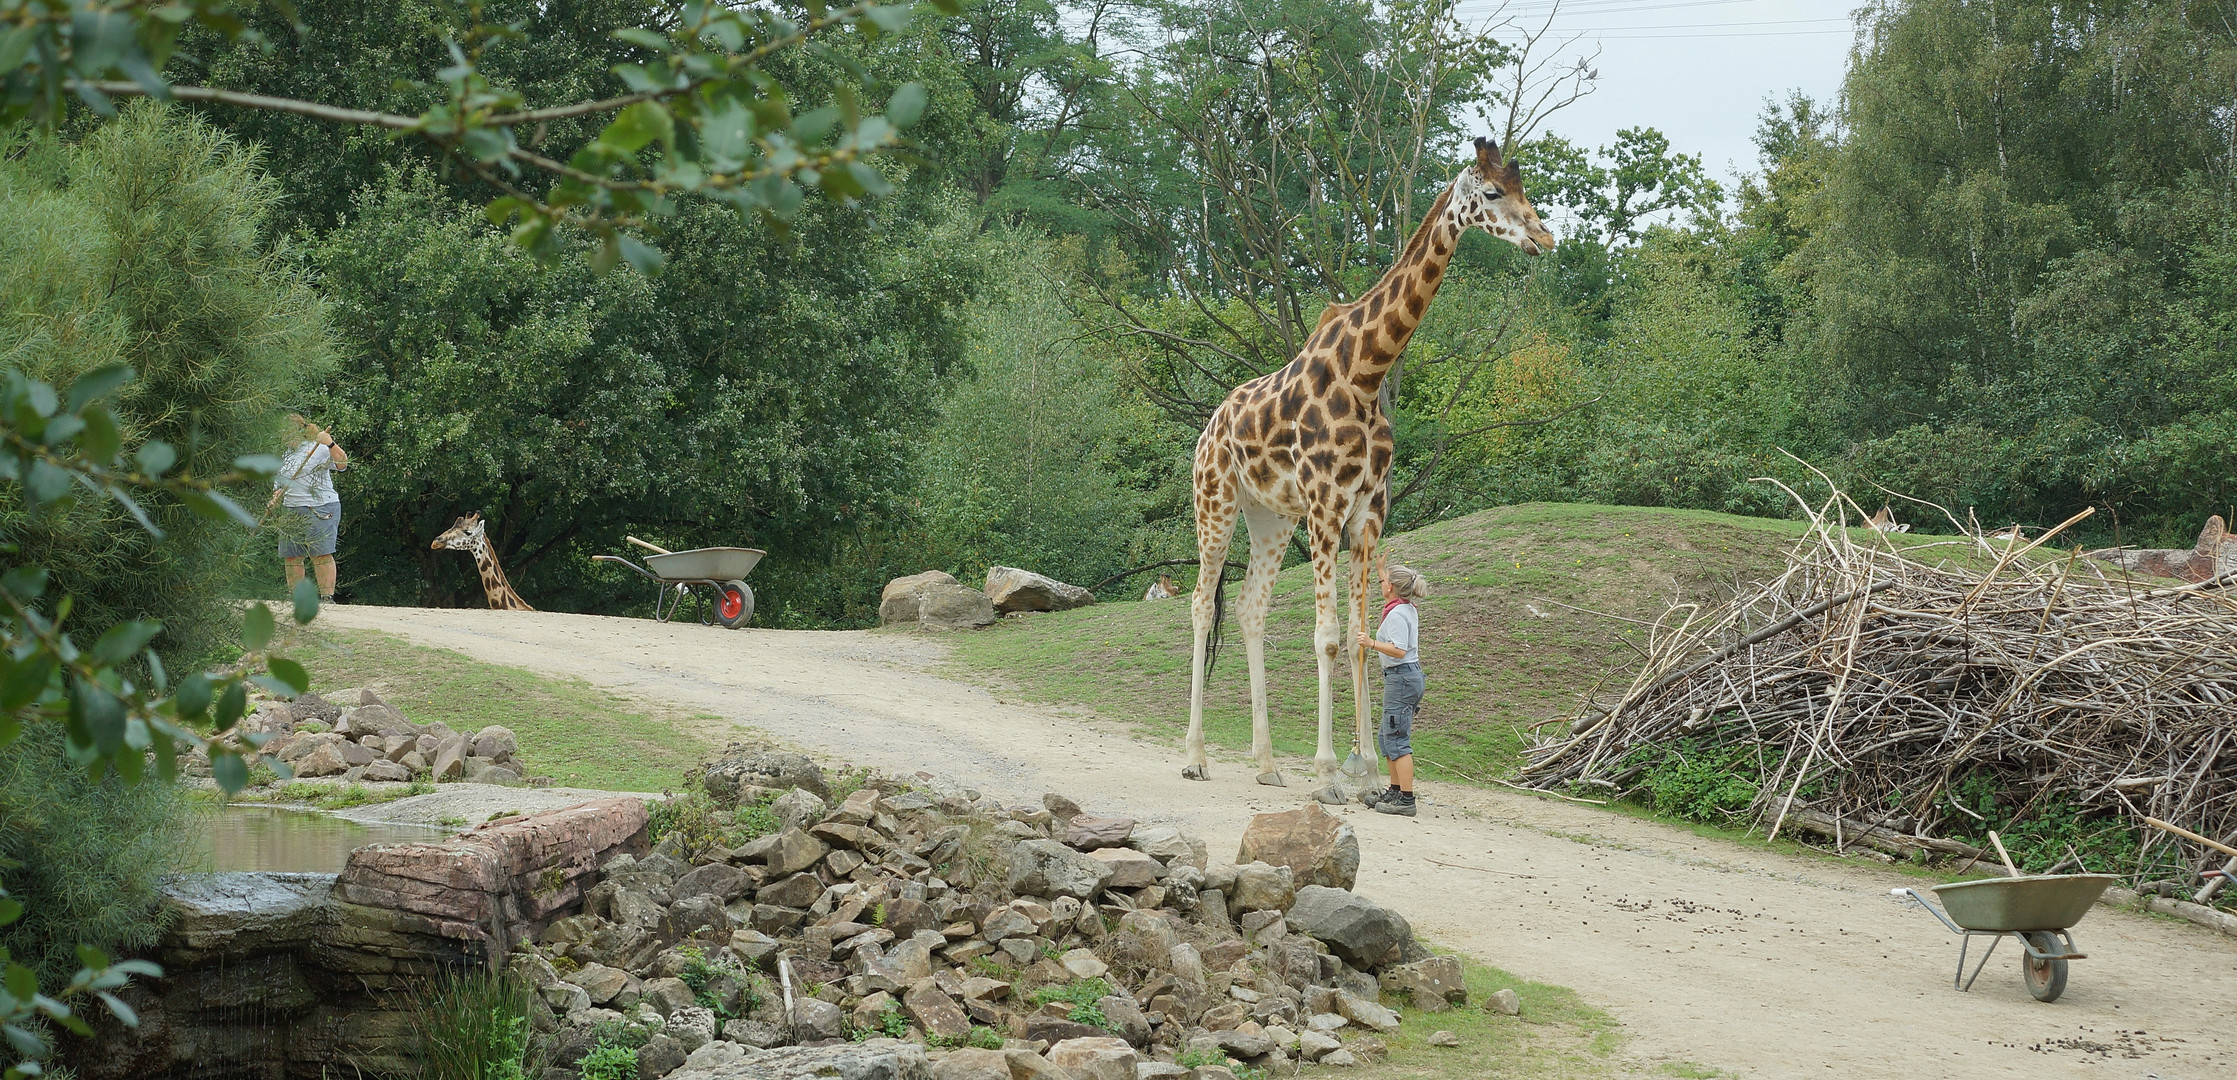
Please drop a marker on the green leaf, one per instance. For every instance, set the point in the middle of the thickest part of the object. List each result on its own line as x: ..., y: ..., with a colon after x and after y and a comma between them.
x: 256, y: 627
x: 486, y: 144
x: 906, y: 105
x: 231, y: 704
x: 230, y: 772
x: 119, y: 1009
x: 25, y: 582
x: 642, y: 38
x: 306, y: 600
x: 262, y: 465
x: 643, y: 257
x: 637, y: 125
x: 291, y: 673
x: 210, y: 504
x: 16, y: 45
x: 98, y: 383
x: 193, y: 697
x: 26, y: 681
x: 155, y: 457
x: 891, y: 18
x: 125, y: 638
x: 10, y: 910
x: 22, y: 983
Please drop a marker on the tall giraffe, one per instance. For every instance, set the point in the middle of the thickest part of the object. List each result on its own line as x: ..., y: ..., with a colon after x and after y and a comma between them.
x: 467, y: 534
x: 1310, y: 442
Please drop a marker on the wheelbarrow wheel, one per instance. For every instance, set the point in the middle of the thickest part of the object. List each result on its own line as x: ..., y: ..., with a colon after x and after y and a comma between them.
x: 2046, y: 979
x: 734, y: 604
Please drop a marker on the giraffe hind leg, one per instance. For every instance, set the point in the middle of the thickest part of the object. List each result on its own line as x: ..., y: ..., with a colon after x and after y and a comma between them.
x: 1215, y: 530
x: 1269, y: 534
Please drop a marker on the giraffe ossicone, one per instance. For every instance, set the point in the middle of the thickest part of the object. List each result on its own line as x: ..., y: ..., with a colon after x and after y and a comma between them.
x: 468, y: 534
x: 1310, y: 443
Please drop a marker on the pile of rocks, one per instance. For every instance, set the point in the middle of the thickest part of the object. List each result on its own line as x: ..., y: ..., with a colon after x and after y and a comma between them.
x: 934, y: 600
x: 999, y: 942
x: 355, y: 736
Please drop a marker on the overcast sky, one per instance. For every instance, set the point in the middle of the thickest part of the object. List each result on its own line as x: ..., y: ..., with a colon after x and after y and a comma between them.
x: 1700, y: 70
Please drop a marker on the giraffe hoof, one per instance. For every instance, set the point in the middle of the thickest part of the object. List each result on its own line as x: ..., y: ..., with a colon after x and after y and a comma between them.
x: 1273, y: 779
x: 1332, y: 795
x: 1196, y: 772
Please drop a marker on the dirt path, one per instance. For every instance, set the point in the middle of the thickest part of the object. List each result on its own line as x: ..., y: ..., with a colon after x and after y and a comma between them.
x: 1758, y: 963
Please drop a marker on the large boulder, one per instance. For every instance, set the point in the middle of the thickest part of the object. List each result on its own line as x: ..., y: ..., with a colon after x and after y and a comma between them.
x: 1318, y: 847
x: 1088, y: 832
x: 952, y: 607
x: 899, y: 603
x: 875, y: 1059
x: 1433, y: 985
x: 1095, y: 1058
x: 494, y: 742
x: 1360, y: 931
x: 1012, y: 589
x: 1047, y: 868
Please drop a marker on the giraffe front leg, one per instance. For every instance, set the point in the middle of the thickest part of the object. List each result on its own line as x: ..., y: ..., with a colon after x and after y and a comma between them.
x: 1269, y: 533
x: 1215, y: 528
x: 1325, y: 642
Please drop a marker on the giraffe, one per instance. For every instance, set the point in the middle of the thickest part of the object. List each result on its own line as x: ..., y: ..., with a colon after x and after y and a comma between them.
x: 467, y: 534
x: 1310, y: 442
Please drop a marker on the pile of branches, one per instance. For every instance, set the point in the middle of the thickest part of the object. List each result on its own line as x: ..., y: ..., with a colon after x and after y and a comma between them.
x: 1873, y: 679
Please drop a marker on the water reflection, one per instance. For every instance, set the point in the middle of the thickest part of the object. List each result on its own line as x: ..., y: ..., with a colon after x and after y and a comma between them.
x: 302, y: 841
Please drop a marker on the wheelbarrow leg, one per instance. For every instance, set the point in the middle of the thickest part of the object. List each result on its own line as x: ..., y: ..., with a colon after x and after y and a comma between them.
x: 1993, y: 941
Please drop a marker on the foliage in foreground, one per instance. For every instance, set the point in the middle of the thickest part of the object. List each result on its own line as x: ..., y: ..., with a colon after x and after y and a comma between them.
x: 473, y: 1025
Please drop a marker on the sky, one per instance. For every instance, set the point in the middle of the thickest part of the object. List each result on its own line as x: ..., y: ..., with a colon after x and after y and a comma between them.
x: 1699, y: 70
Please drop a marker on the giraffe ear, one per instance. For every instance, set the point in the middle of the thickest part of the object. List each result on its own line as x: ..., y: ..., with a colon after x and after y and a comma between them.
x: 1487, y: 157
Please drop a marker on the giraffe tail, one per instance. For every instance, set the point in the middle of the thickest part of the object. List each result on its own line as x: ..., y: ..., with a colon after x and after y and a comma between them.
x: 1219, y: 619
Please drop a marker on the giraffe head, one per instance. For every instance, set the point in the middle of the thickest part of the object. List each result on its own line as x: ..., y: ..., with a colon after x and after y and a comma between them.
x: 465, y: 534
x: 1488, y: 195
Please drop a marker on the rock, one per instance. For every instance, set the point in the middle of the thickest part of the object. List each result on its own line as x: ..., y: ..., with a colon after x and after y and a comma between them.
x: 719, y: 880
x: 1261, y: 887
x: 413, y: 760
x: 852, y: 837
x: 1443, y: 1038
x: 387, y: 771
x: 788, y: 851
x: 1314, y: 1045
x: 1012, y: 589
x: 1125, y: 1018
x: 1327, y: 1022
x: 1433, y: 984
x: 659, y: 1056
x: 1059, y: 807
x: 815, y: 1019
x: 1224, y: 1017
x: 1130, y: 869
x: 759, y: 1034
x: 742, y: 767
x: 1340, y: 1059
x: 1505, y: 1002
x: 972, y: 1064
x: 1047, y: 868
x: 935, y: 1012
x: 1027, y: 1065
x: 600, y: 982
x: 481, y: 771
x: 795, y: 891
x: 1168, y: 845
x: 1365, y: 1013
x: 1088, y: 833
x: 1158, y: 1070
x: 1318, y: 847
x: 797, y: 809
x: 1095, y: 1058
x: 1353, y: 927
x: 952, y: 607
x: 495, y: 743
x: 668, y: 995
x: 1245, y: 1044
x: 692, y: 1027
x: 450, y: 760
x: 1084, y: 964
x: 714, y: 1055
x: 355, y: 753
x: 698, y: 916
x: 324, y: 759
x: 875, y: 1059
x: 899, y: 604
x: 901, y: 968
x: 1056, y: 1029
x: 752, y: 946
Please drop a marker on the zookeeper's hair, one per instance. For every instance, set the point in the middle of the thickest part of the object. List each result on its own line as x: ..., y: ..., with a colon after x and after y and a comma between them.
x: 1409, y: 583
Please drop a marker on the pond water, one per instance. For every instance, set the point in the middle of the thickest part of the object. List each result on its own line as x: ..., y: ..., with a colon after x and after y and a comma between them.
x: 300, y: 841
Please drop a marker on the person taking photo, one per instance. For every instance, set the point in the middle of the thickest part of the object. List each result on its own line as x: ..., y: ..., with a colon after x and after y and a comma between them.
x: 311, y: 512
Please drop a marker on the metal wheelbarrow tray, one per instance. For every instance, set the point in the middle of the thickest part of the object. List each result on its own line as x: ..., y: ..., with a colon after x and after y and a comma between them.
x: 720, y: 569
x: 2038, y: 909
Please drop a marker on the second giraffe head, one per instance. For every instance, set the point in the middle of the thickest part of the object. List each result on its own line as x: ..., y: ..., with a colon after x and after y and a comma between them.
x: 465, y: 534
x: 1488, y: 195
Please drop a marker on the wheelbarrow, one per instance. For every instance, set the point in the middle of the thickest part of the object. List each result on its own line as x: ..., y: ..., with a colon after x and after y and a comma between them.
x: 2039, y: 909
x: 720, y: 570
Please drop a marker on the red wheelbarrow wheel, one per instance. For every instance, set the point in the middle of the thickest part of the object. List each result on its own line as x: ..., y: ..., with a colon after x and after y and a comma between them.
x: 734, y: 604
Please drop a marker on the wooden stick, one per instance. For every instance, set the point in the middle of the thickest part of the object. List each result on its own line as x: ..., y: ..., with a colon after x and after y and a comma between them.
x: 651, y: 547
x: 2189, y: 835
x: 2003, y: 854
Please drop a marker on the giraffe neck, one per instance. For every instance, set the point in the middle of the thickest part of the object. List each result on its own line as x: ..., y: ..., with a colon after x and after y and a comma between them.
x: 1385, y: 316
x: 494, y: 583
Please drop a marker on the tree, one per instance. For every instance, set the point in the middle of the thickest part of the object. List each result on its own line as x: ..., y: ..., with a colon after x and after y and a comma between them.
x: 700, y: 115
x: 1633, y: 184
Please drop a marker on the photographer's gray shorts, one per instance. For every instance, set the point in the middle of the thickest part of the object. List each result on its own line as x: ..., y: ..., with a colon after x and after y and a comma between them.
x: 1402, y: 687
x: 310, y: 530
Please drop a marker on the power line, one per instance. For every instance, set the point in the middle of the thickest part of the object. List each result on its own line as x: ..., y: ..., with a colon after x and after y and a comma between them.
x: 1696, y: 26
x: 1743, y: 34
x: 1587, y: 7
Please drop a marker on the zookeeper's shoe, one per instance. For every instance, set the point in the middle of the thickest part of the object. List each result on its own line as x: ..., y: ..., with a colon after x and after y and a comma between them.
x: 1396, y: 802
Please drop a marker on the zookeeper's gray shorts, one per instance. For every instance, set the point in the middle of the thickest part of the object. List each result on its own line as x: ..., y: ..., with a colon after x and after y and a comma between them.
x: 310, y: 530
x: 1402, y: 686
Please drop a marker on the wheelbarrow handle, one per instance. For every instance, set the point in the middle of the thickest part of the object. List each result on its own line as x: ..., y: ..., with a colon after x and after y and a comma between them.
x: 1917, y: 898
x: 641, y: 571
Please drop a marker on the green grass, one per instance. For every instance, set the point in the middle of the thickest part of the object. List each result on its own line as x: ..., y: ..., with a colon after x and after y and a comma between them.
x: 569, y: 730
x: 1557, y: 1036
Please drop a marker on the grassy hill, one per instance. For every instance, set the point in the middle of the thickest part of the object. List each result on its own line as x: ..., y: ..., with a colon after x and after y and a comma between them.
x: 1500, y: 649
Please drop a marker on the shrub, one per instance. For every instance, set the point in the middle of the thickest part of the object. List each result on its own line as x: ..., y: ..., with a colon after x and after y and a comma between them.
x: 82, y: 855
x: 1700, y: 780
x: 473, y: 1025
x: 608, y: 1061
